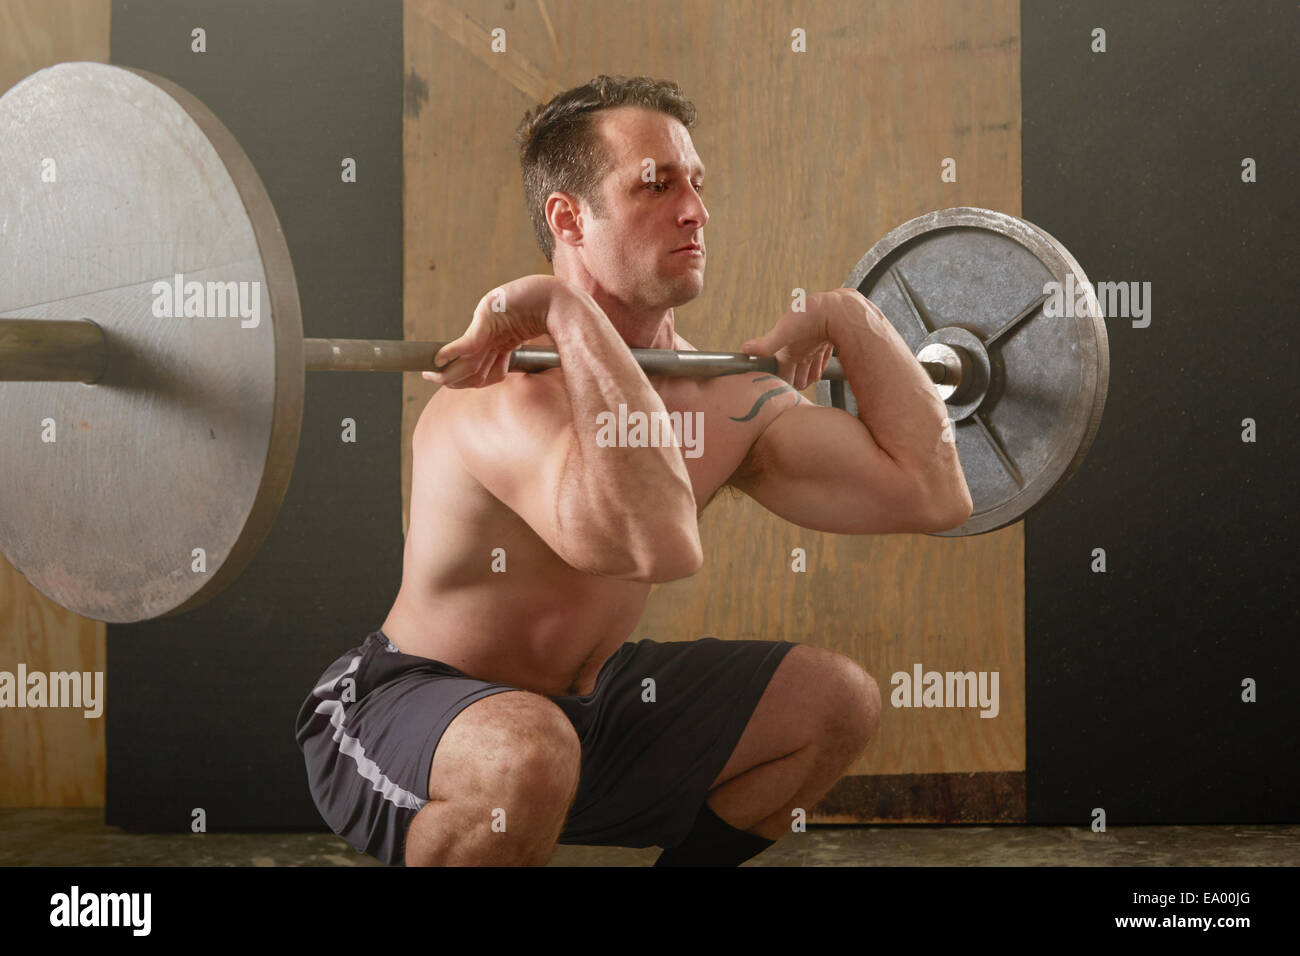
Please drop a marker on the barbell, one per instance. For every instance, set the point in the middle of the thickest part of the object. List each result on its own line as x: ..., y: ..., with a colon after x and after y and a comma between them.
x: 152, y: 357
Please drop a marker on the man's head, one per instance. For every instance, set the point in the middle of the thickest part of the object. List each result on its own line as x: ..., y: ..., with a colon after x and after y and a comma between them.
x: 599, y: 209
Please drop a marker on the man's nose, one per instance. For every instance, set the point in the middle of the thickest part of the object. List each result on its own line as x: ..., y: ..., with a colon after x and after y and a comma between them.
x: 695, y: 211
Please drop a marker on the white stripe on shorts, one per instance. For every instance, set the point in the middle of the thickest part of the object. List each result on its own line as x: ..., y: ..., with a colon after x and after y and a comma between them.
x: 350, y: 746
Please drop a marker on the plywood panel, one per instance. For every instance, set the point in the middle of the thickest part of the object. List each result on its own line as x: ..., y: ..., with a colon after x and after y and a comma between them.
x: 48, y: 757
x: 812, y: 157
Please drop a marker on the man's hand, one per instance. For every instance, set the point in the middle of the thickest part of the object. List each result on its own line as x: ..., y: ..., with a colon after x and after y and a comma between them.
x: 504, y: 319
x: 799, y: 340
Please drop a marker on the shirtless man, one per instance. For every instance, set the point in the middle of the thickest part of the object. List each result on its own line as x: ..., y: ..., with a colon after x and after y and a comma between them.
x: 500, y: 708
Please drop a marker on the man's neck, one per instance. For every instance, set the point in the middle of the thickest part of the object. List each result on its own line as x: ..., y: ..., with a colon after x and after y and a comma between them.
x: 655, y: 329
x: 641, y: 330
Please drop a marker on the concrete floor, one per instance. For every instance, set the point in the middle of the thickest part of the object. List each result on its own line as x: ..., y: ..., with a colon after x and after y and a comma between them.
x: 80, y: 838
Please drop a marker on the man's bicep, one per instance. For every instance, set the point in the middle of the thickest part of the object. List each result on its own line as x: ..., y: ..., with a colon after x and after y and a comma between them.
x: 820, y: 469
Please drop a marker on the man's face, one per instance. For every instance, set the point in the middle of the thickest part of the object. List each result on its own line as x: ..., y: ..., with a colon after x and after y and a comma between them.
x: 632, y: 250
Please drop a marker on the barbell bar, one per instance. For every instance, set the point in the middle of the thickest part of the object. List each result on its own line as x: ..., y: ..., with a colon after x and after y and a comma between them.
x: 147, y: 489
x: 48, y: 350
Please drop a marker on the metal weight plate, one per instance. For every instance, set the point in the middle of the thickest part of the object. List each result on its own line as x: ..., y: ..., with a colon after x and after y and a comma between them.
x: 980, y: 279
x: 115, y: 180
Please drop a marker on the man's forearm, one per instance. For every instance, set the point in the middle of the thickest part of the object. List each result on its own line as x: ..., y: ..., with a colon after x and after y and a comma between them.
x: 635, y: 503
x: 898, y: 403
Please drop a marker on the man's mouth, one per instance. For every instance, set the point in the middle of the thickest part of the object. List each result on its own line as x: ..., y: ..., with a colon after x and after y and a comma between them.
x: 693, y: 247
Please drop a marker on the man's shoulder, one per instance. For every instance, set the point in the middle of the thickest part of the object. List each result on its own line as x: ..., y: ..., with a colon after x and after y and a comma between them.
x: 537, y: 386
x: 520, y: 400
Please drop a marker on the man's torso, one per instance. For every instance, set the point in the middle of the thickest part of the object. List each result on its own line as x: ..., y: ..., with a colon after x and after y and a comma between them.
x: 540, y: 624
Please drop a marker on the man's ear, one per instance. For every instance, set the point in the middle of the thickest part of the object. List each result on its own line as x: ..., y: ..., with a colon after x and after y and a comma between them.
x: 564, y: 216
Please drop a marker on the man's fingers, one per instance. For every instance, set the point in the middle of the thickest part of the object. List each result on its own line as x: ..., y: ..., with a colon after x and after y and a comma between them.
x: 767, y: 344
x: 823, y: 359
x: 453, y: 363
x: 500, y: 368
x: 483, y: 376
x: 449, y: 353
x: 462, y: 358
x: 789, y: 330
x: 468, y: 372
x: 472, y: 341
x: 802, y: 372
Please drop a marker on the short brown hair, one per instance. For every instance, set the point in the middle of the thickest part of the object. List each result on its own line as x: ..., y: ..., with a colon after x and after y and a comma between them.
x: 561, y: 150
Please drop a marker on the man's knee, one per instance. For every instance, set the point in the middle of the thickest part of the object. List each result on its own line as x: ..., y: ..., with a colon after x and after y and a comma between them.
x: 850, y: 701
x: 503, y: 777
x: 508, y: 747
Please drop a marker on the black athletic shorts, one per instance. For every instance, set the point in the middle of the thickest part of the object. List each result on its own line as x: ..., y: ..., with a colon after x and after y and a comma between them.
x: 369, y: 729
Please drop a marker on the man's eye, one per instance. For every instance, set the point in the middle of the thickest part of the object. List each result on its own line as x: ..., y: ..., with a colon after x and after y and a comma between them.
x: 661, y: 185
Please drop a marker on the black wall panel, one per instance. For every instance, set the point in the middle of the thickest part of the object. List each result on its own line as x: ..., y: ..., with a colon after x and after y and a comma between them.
x: 1133, y: 159
x: 202, y: 706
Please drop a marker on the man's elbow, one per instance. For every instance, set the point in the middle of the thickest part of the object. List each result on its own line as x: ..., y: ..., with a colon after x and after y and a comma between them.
x: 690, y: 565
x: 666, y: 561
x: 944, y: 514
x: 672, y: 564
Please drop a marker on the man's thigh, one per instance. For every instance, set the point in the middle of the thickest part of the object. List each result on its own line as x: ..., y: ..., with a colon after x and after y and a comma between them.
x: 813, y: 692
x: 369, y: 731
x: 516, y: 735
x: 659, y: 727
